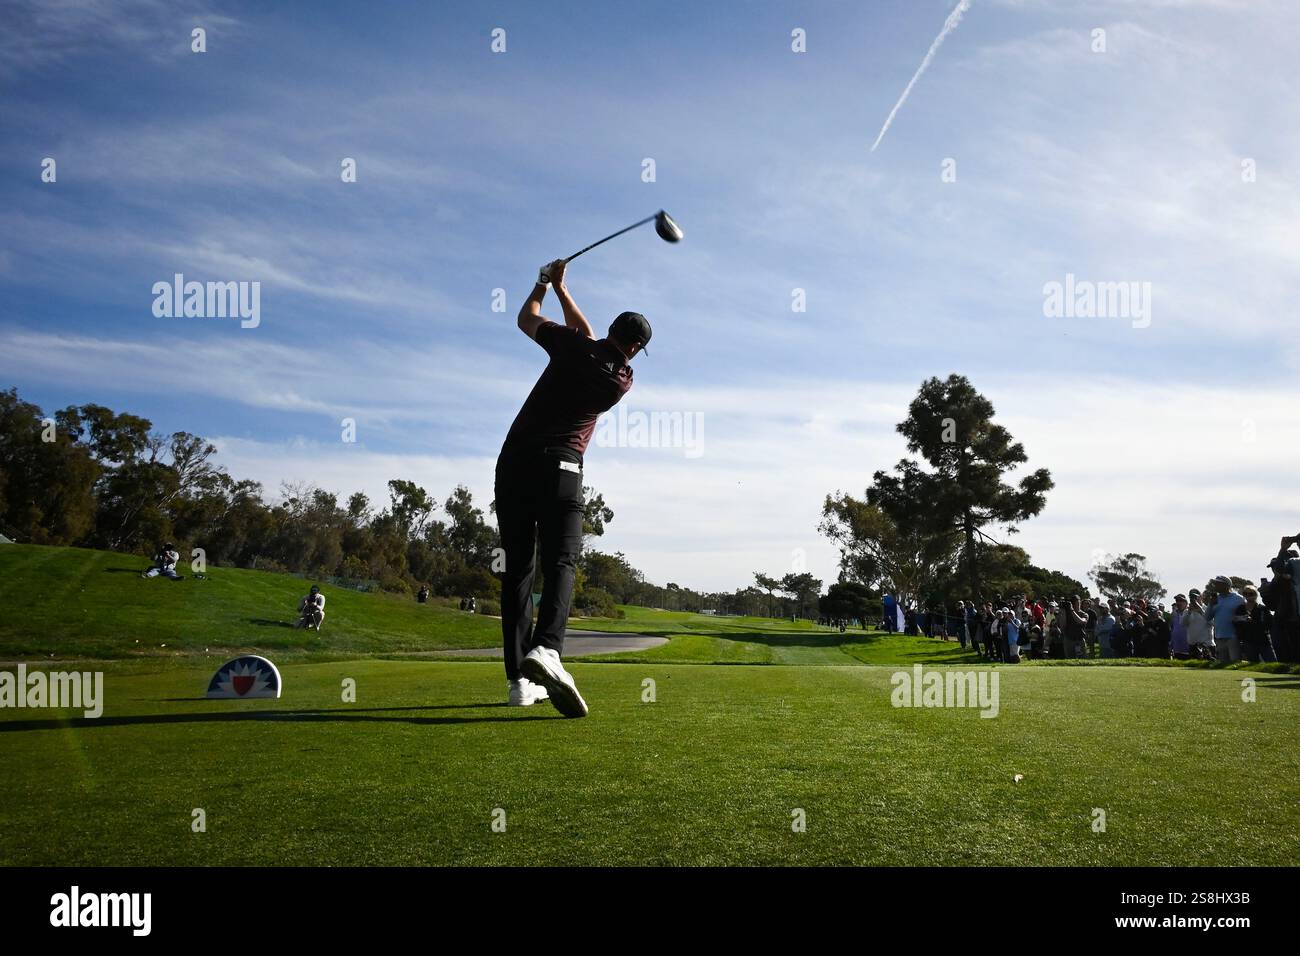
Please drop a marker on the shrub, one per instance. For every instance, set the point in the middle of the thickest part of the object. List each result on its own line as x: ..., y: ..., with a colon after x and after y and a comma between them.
x: 354, y: 569
x: 596, y: 602
x: 395, y: 585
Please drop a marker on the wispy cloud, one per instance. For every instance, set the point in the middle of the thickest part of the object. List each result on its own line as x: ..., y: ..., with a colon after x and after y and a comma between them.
x: 38, y: 33
x: 363, y: 378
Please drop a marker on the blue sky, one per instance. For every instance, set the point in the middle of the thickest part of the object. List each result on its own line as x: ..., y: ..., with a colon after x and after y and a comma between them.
x: 475, y: 167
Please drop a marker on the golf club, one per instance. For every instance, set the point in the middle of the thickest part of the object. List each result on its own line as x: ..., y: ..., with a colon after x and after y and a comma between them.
x: 668, y: 231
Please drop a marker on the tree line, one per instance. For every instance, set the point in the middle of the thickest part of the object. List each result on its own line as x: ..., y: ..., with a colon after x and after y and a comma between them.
x: 89, y: 476
x: 92, y: 477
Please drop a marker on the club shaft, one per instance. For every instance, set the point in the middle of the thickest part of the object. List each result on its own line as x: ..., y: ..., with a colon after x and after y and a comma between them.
x: 611, y: 236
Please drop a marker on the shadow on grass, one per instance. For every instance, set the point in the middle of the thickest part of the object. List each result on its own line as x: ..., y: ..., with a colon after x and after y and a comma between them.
x: 139, y: 573
x: 905, y: 650
x: 349, y: 710
x: 773, y: 638
x: 1279, y: 681
x: 344, y: 715
x: 264, y: 622
x: 785, y: 639
x: 862, y: 646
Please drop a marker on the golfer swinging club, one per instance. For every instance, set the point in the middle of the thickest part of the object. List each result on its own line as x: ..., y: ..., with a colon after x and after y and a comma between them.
x: 539, y: 484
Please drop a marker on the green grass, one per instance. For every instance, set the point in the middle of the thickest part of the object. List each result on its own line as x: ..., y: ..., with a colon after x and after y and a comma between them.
x: 709, y: 773
x: 79, y: 603
x: 706, y: 639
x: 75, y: 603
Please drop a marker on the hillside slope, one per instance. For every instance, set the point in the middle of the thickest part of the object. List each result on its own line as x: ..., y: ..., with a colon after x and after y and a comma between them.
x: 77, y: 602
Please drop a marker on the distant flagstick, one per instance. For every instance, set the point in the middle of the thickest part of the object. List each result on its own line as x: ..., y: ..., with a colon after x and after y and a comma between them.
x: 949, y: 25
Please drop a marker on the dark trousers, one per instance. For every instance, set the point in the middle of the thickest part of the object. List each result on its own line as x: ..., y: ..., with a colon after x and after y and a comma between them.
x: 1257, y: 651
x: 1286, y: 640
x: 536, y: 498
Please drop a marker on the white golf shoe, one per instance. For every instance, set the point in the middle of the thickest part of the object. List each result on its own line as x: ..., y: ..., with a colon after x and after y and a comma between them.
x: 524, y: 693
x: 542, y: 666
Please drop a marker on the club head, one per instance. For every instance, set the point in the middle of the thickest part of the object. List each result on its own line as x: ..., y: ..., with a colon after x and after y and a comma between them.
x: 668, y: 230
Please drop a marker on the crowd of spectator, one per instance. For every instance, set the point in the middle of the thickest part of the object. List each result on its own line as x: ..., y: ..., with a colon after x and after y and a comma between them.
x: 1218, y: 622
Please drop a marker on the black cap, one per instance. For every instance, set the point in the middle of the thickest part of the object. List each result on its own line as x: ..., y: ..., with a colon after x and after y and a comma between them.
x: 631, y: 327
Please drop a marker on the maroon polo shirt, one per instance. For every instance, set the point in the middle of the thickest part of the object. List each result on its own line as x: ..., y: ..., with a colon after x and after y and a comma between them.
x: 584, y: 379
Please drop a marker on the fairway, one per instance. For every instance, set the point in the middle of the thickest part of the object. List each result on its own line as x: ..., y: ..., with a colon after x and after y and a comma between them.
x: 709, y: 773
x: 752, y: 720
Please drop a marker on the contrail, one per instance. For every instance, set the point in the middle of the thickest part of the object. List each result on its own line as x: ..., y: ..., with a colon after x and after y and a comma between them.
x: 949, y: 25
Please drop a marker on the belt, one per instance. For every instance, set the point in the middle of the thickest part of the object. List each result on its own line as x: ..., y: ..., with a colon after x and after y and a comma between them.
x: 566, y: 458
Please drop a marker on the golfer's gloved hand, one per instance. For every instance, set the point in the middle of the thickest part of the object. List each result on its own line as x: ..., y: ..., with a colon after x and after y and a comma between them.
x: 556, y: 271
x: 551, y: 272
